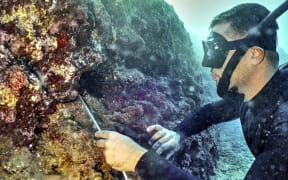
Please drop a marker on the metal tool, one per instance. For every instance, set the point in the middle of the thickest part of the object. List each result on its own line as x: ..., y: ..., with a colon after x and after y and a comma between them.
x: 95, y: 123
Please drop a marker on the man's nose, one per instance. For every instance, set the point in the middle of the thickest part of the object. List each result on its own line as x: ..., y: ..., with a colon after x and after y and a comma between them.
x: 214, y: 74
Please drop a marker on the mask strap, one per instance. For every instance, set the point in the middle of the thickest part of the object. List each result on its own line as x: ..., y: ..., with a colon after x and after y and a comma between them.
x: 223, y: 85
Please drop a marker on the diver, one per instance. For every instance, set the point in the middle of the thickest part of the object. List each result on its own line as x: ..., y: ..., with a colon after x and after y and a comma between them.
x: 245, y: 65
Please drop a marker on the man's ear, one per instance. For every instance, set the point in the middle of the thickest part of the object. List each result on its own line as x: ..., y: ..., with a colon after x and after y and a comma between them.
x: 257, y: 54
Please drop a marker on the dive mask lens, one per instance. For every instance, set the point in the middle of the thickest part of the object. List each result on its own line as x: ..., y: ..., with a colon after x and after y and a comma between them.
x: 216, y: 49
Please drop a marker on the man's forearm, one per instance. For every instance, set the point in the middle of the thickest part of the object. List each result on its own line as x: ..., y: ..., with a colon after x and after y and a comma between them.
x: 212, y: 113
x: 152, y: 166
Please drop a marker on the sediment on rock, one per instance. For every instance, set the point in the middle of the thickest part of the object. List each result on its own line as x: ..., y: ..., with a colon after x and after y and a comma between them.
x: 132, y: 61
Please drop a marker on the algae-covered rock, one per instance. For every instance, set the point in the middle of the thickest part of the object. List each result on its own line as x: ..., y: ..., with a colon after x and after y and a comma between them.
x: 137, y: 68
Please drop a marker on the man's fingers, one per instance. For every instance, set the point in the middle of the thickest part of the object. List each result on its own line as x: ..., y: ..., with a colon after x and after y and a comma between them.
x: 167, y: 146
x: 161, y: 142
x: 168, y: 156
x: 160, y: 150
x: 158, y: 135
x: 100, y: 143
x: 155, y: 127
x: 102, y: 134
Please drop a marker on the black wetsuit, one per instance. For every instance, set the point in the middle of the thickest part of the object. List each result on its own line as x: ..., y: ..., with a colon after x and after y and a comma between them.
x: 264, y: 122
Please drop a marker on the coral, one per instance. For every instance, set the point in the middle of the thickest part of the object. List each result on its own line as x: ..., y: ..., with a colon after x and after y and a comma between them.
x: 17, y: 162
x: 15, y: 79
x: 11, y: 82
x: 42, y: 56
x: 136, y: 101
x: 45, y: 46
x: 46, y: 35
x: 70, y: 151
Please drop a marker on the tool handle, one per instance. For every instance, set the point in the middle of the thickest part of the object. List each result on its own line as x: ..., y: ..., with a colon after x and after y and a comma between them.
x: 125, y: 175
x: 89, y: 112
x: 96, y: 124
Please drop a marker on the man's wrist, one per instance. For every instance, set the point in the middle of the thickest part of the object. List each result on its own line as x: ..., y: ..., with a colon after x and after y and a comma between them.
x: 138, y: 155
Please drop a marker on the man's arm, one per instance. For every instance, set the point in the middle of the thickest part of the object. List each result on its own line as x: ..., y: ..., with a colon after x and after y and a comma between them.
x: 212, y: 113
x: 165, y: 140
x: 123, y: 154
x: 152, y: 166
x: 273, y: 162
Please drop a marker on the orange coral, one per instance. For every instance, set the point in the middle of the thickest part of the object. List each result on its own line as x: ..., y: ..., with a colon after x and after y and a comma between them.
x: 16, y: 79
x: 62, y: 40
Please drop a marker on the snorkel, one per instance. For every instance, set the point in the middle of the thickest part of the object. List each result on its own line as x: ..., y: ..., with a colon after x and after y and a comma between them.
x: 216, y: 49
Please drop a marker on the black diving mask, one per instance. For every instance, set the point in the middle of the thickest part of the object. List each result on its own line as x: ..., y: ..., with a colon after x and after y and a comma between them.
x: 216, y: 49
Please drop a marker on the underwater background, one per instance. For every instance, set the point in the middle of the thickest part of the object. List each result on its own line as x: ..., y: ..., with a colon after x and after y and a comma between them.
x: 135, y: 63
x: 234, y: 155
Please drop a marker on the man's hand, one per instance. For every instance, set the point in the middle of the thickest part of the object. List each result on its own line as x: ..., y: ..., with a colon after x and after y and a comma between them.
x: 164, y: 140
x: 120, y: 151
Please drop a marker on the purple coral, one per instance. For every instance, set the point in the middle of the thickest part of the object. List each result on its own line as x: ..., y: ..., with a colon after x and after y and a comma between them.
x: 140, y: 101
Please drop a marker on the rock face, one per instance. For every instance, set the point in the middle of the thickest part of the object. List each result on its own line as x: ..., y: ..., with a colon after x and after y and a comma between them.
x: 137, y: 68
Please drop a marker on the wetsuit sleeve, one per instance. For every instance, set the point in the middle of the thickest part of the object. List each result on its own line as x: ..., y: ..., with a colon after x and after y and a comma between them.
x: 212, y: 113
x: 273, y: 162
x: 152, y: 166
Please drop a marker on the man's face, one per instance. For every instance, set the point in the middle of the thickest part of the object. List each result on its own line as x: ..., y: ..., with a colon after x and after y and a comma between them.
x: 224, y: 30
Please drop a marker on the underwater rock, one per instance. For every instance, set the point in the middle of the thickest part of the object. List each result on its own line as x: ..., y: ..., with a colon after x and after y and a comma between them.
x: 45, y: 46
x: 71, y: 151
x: 137, y: 68
x: 17, y: 162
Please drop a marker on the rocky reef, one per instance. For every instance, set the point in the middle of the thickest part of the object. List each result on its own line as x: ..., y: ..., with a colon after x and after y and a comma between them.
x: 133, y: 62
